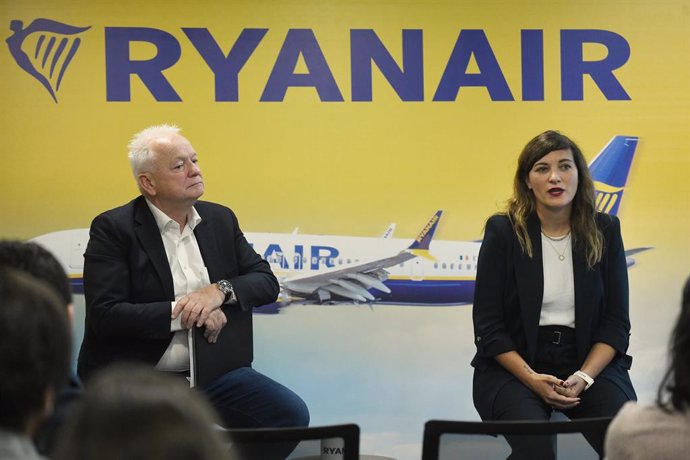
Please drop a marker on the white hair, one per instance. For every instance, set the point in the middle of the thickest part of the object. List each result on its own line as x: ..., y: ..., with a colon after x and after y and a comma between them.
x: 140, y: 145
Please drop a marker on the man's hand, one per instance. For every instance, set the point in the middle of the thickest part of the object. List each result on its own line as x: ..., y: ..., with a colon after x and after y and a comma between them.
x: 214, y: 324
x: 196, y: 306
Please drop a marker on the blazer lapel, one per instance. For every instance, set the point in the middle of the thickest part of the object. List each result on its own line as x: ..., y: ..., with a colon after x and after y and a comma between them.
x: 208, y: 247
x: 584, y: 302
x: 529, y: 274
x: 149, y: 237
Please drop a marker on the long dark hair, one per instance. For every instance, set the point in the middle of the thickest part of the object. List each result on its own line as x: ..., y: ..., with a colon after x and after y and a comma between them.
x: 674, y: 389
x: 522, y: 204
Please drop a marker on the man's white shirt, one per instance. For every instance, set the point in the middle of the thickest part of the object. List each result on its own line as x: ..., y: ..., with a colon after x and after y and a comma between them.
x: 189, y: 274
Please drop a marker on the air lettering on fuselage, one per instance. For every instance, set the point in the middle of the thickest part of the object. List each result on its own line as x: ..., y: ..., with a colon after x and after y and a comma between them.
x: 319, y: 256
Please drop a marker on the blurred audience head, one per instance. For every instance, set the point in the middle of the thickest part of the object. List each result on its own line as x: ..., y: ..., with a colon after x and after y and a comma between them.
x: 34, y: 349
x: 674, y: 390
x: 38, y: 262
x: 132, y: 412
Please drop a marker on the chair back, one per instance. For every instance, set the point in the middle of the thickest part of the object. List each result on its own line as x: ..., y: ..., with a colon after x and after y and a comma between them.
x: 339, y: 442
x: 486, y: 440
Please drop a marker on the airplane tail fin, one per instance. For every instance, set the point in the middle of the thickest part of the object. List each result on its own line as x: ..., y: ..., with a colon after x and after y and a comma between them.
x: 420, y: 246
x: 389, y: 231
x: 610, y: 170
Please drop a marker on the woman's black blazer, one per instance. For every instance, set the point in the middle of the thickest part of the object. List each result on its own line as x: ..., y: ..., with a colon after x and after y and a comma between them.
x: 508, y: 298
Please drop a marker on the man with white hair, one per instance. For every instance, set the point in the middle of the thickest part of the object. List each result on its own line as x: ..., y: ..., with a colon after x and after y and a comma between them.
x: 166, y: 262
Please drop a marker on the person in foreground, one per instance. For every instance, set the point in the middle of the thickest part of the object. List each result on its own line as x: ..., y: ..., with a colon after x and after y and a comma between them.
x: 166, y: 262
x: 550, y: 310
x: 40, y: 263
x: 661, y: 431
x: 34, y: 359
x: 131, y: 412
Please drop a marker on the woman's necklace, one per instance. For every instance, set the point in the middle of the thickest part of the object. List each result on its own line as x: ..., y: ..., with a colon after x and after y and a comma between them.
x: 551, y: 240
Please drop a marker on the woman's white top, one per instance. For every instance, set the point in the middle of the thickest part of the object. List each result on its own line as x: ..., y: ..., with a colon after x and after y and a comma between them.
x: 558, y: 303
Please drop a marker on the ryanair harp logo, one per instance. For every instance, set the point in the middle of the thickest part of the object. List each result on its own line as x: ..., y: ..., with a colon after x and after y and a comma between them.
x: 44, y: 49
x: 606, y: 197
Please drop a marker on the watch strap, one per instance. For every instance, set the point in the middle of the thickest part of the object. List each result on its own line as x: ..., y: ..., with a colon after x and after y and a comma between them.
x: 589, y: 381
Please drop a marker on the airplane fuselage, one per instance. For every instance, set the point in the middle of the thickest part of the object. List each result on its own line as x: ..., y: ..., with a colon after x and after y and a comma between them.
x: 447, y: 280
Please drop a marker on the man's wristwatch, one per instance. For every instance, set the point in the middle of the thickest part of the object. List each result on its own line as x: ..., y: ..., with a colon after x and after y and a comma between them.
x: 225, y: 287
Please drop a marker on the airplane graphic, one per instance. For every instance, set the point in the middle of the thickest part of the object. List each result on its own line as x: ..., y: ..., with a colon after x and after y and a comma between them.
x: 330, y: 268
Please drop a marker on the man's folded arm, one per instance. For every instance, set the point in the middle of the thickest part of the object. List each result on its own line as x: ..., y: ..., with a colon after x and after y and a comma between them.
x: 108, y: 289
x: 256, y: 285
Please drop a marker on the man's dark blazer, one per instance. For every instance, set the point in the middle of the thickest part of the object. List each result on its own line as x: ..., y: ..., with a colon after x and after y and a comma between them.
x: 508, y: 297
x: 128, y: 284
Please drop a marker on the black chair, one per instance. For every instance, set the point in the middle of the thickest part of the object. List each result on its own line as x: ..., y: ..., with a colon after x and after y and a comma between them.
x: 473, y: 442
x: 265, y: 443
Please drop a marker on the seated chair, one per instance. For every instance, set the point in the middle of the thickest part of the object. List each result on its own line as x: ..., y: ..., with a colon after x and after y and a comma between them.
x: 485, y: 440
x: 319, y: 442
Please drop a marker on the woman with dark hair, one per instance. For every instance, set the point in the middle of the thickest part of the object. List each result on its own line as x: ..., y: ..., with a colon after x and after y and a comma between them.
x: 550, y: 308
x: 661, y: 431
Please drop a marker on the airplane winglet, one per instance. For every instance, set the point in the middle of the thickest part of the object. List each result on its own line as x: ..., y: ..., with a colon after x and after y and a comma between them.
x: 423, y: 253
x: 421, y: 243
x: 389, y: 231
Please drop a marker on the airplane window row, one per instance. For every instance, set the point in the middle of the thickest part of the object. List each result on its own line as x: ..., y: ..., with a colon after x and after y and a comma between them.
x: 451, y: 266
x: 314, y: 260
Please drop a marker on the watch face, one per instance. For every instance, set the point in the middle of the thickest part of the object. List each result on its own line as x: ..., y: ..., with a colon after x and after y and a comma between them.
x: 225, y: 286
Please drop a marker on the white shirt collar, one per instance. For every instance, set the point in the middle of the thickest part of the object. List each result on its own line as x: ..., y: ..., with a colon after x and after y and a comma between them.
x: 163, y: 221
